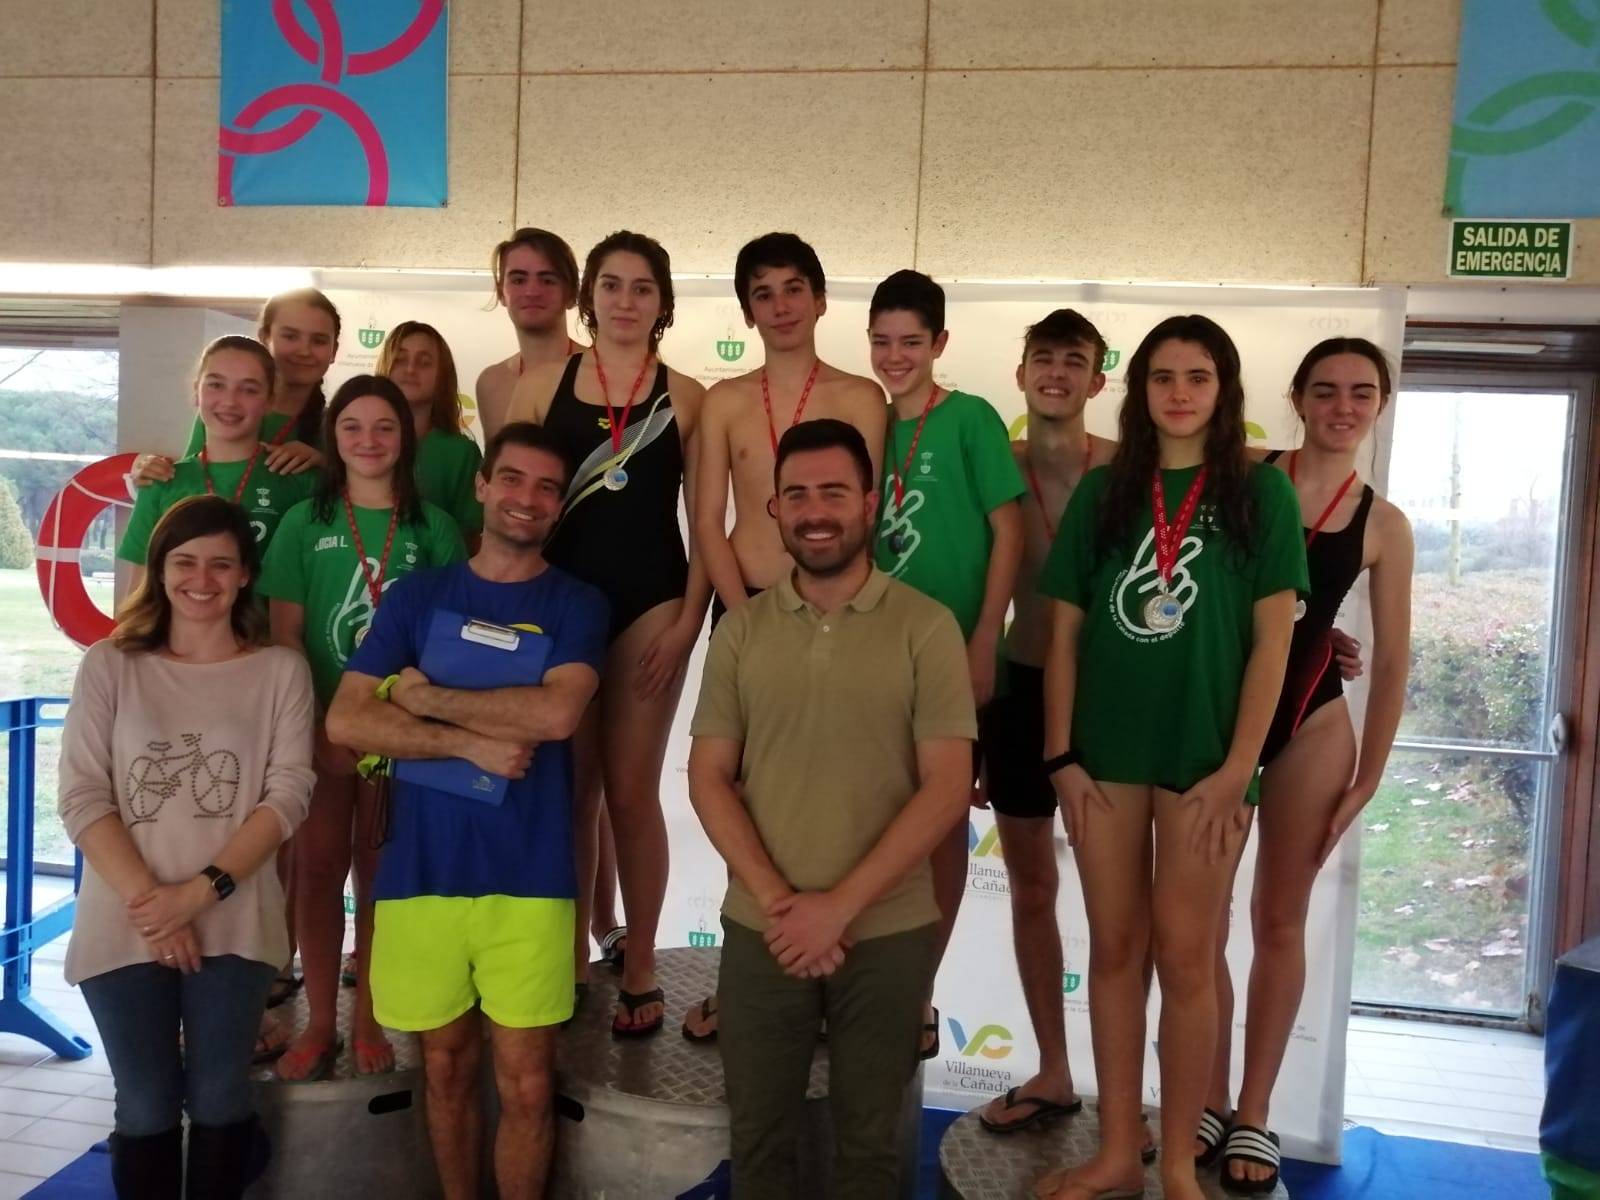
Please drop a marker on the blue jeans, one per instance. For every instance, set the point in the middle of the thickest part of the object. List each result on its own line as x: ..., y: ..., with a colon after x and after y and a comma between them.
x: 138, y: 1010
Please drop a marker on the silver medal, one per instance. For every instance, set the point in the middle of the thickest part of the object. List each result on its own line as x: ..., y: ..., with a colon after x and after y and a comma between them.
x: 897, y: 542
x: 615, y: 479
x: 1163, y: 613
x: 1299, y: 609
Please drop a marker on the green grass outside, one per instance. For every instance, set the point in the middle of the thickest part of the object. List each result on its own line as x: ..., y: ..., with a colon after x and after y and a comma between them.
x: 1444, y: 883
x: 37, y: 659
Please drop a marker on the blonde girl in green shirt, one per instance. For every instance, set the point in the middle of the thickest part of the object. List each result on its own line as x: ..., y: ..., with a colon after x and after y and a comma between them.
x: 334, y: 555
x: 418, y: 359
x: 301, y: 329
x: 1175, y: 573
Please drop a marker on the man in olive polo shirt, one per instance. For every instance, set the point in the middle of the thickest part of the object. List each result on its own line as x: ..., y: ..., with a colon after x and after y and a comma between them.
x: 831, y: 753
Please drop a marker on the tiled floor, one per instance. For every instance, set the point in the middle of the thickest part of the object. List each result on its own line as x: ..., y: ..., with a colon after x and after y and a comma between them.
x: 1475, y: 1086
x: 1480, y: 1086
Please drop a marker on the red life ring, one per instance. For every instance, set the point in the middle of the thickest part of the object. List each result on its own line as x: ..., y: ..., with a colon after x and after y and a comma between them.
x: 87, y: 494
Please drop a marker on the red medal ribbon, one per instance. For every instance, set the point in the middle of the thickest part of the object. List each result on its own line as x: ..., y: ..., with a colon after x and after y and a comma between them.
x: 1038, y: 493
x: 901, y: 471
x: 374, y: 584
x: 1344, y: 487
x: 1170, y: 537
x: 766, y: 402
x: 572, y: 348
x: 211, y: 489
x: 611, y: 414
x: 284, y: 430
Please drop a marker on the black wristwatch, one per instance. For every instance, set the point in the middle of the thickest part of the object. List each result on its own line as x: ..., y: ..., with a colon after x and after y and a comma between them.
x: 1052, y: 765
x: 221, y: 881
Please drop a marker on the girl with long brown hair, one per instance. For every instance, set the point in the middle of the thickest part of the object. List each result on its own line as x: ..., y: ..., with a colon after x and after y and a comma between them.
x: 326, y: 572
x: 1174, y: 572
x: 629, y: 421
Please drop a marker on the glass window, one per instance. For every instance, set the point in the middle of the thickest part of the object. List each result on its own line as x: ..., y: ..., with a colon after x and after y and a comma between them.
x: 1447, y: 847
x: 58, y: 411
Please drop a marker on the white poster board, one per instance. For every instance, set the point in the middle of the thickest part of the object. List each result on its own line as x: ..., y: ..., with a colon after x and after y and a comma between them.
x: 985, y: 1035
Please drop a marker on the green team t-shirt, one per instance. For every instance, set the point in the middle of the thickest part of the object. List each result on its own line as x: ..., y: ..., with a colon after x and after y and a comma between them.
x: 1159, y: 708
x: 313, y: 563
x: 266, y: 498
x: 447, y: 466
x: 962, y: 471
x: 270, y: 424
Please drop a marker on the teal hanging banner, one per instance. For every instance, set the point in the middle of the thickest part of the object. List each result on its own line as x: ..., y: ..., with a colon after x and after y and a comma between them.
x: 1525, y: 140
x: 333, y: 102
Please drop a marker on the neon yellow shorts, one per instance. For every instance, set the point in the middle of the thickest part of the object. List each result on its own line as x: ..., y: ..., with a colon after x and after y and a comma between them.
x: 434, y: 957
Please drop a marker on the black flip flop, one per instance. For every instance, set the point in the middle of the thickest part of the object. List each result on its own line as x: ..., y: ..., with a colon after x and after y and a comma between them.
x: 283, y: 990
x: 1213, y: 1132
x: 1247, y: 1144
x: 706, y: 1013
x: 633, y: 1002
x: 1043, y: 1110
x: 1148, y: 1152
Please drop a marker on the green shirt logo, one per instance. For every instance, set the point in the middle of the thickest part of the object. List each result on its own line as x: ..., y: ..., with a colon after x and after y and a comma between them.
x: 1139, y: 582
x: 730, y: 350
x: 371, y: 339
x: 1113, y: 357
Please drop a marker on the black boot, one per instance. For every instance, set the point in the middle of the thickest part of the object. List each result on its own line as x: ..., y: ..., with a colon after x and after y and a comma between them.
x: 147, y: 1168
x: 225, y: 1159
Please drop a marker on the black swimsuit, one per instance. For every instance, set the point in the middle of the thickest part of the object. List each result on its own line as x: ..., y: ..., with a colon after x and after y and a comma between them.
x: 627, y: 542
x: 1333, y: 561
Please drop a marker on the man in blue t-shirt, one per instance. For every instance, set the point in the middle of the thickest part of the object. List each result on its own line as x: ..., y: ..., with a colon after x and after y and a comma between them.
x: 475, y: 901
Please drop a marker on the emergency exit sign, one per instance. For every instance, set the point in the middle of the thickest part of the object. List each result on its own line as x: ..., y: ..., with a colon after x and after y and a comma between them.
x: 1510, y: 249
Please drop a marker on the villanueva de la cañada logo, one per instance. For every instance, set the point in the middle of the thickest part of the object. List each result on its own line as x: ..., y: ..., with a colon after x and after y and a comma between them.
x: 730, y: 349
x: 369, y: 338
x: 991, y: 1041
x: 986, y: 872
x: 988, y: 1042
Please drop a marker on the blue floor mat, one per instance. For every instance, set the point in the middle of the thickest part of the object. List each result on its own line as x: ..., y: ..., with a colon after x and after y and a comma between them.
x: 87, y: 1177
x: 1379, y: 1167
x: 1376, y: 1167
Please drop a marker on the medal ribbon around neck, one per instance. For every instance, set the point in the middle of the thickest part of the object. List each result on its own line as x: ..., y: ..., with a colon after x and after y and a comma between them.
x: 1170, y: 537
x: 284, y: 431
x: 374, y: 584
x: 572, y: 348
x: 904, y: 469
x: 211, y: 488
x: 1038, y: 492
x: 605, y: 395
x: 766, y: 402
x: 1311, y: 534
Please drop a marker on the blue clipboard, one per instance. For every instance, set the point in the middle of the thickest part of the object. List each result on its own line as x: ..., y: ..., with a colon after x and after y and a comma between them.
x: 472, y: 655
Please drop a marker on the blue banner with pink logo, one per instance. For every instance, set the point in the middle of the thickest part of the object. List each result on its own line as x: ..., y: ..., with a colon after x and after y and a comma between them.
x: 333, y: 102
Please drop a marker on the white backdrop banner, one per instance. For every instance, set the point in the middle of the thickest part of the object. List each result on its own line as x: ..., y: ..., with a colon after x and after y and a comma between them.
x: 986, y: 1042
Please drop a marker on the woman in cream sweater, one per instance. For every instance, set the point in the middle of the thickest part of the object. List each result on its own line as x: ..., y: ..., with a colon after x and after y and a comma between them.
x: 185, y: 762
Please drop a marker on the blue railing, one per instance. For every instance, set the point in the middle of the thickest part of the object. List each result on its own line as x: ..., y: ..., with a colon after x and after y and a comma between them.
x: 24, y: 931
